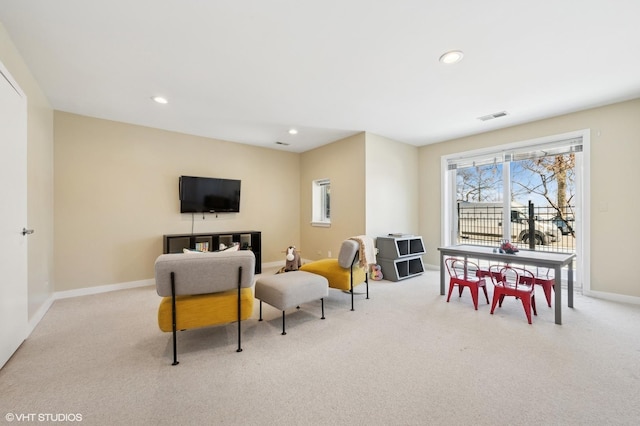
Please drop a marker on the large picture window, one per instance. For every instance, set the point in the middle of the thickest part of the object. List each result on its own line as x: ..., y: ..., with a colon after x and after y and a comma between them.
x: 529, y: 193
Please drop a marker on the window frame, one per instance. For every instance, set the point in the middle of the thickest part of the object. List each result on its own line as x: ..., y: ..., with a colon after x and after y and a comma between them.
x: 449, y: 228
x: 321, y: 202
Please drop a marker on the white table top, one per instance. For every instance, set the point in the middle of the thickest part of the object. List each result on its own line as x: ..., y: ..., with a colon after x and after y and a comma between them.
x: 539, y: 258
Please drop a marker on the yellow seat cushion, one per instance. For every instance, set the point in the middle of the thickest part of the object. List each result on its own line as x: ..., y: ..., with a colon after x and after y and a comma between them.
x: 337, y: 276
x: 205, y: 309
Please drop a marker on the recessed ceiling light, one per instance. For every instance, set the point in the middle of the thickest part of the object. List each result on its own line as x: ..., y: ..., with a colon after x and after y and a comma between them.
x: 293, y: 132
x: 160, y: 100
x: 451, y: 57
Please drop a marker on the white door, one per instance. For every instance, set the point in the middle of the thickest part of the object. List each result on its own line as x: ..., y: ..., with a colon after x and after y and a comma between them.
x: 13, y: 216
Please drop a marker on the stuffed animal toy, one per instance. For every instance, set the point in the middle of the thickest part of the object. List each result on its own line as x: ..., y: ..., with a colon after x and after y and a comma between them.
x: 292, y: 259
x: 376, y: 272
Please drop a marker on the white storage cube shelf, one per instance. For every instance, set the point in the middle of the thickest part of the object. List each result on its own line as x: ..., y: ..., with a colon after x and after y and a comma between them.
x: 400, y: 257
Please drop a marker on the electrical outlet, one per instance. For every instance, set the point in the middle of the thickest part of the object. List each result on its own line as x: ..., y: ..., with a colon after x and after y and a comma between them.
x: 329, y: 253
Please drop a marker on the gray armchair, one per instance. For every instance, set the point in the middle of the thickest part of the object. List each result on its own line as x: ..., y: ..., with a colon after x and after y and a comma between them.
x: 204, y: 289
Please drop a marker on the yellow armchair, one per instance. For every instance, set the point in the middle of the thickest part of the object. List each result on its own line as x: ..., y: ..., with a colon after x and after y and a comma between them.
x: 343, y: 273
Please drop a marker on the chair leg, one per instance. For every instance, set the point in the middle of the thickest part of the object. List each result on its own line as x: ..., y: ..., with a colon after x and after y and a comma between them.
x: 239, y: 310
x: 474, y: 295
x: 451, y: 285
x: 283, y: 332
x: 366, y: 282
x: 351, y: 286
x: 173, y: 319
x: 260, y: 311
x: 533, y: 304
x: 496, y: 298
x: 526, y: 304
x: 322, y: 301
x: 486, y: 295
x: 547, y: 293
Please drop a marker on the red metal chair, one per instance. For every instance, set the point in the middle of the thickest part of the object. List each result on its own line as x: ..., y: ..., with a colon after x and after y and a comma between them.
x: 462, y: 273
x: 484, y: 272
x: 546, y: 281
x: 513, y: 281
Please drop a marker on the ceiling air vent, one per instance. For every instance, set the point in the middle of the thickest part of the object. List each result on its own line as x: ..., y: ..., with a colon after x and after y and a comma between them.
x: 492, y: 116
x: 282, y: 143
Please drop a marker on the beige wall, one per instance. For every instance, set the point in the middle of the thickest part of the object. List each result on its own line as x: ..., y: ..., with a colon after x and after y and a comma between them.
x: 391, y: 187
x: 374, y: 191
x: 102, y: 167
x: 343, y: 162
x: 116, y: 194
x: 615, y: 201
x: 39, y: 177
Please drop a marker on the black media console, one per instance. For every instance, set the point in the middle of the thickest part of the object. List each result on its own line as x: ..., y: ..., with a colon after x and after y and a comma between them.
x: 248, y: 240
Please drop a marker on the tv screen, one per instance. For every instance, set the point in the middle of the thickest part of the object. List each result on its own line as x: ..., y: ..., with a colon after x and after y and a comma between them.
x: 212, y: 195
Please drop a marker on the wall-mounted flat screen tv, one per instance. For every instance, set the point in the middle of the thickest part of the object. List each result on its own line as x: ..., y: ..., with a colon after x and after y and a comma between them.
x: 209, y: 195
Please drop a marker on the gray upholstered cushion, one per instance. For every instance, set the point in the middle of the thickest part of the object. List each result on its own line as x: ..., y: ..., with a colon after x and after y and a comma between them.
x: 348, y: 251
x: 204, y: 273
x: 289, y: 289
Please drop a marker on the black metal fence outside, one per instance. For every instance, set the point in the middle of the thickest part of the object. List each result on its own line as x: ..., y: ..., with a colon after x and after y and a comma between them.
x: 533, y: 227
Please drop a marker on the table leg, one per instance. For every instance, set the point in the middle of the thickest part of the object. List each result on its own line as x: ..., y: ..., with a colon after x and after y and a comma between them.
x: 570, y: 285
x: 558, y: 295
x: 441, y: 274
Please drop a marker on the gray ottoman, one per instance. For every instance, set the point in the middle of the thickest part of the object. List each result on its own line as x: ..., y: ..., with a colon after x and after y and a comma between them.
x: 289, y: 289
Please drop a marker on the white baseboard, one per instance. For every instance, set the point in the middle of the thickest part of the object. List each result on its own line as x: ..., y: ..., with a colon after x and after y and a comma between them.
x: 102, y: 289
x: 40, y: 313
x: 590, y: 293
x: 272, y: 264
x: 613, y: 297
x: 37, y: 317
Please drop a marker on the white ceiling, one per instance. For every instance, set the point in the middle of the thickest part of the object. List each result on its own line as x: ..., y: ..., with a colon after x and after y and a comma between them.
x: 248, y: 70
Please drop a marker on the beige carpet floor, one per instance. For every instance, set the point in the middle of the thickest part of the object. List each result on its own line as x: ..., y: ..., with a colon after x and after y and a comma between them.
x: 404, y: 357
